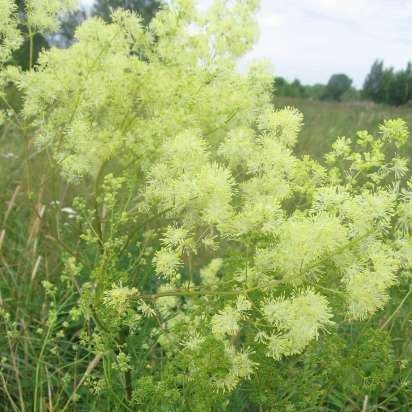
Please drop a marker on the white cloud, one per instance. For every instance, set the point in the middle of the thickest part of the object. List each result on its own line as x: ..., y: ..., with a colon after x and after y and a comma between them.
x: 311, y: 39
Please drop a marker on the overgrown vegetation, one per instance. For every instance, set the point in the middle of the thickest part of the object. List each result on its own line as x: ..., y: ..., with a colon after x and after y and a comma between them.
x: 382, y: 85
x: 324, y: 120
x: 339, y: 88
x: 165, y: 246
x: 386, y: 85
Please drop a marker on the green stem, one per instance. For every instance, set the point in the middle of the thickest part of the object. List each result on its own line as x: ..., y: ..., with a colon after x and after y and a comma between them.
x: 203, y: 292
x: 397, y: 309
x: 37, y: 376
x: 31, y: 46
x: 191, y: 292
x: 99, y: 228
x: 124, y: 334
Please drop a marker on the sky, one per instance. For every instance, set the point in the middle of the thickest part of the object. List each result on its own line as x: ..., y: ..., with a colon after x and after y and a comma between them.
x: 312, y: 39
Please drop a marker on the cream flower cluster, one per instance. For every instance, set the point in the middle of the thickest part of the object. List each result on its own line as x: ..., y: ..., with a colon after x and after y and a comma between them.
x: 228, y: 233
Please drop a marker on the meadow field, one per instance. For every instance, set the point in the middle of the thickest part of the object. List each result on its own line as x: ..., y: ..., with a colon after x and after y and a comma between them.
x: 326, y: 120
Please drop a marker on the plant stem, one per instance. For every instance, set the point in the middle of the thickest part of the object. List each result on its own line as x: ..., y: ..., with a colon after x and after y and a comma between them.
x: 31, y: 46
x: 37, y: 376
x: 397, y: 309
x: 187, y: 292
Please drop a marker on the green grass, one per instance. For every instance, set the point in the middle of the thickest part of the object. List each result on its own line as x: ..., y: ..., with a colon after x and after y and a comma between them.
x: 325, y: 121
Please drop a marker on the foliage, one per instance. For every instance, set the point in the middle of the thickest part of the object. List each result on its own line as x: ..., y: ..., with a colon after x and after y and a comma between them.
x: 283, y: 88
x: 35, y: 21
x: 198, y: 249
x: 103, y: 9
x: 331, y: 365
x: 381, y: 85
x: 384, y: 85
x: 337, y: 86
x: 69, y: 22
x: 145, y: 8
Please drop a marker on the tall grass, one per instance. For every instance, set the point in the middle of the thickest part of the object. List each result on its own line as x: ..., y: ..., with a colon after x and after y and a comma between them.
x: 324, y: 121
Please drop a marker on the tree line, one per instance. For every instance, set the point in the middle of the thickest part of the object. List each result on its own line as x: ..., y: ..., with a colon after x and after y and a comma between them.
x: 382, y: 85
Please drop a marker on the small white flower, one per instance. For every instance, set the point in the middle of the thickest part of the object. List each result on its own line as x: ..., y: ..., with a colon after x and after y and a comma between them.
x: 8, y: 155
x: 70, y: 212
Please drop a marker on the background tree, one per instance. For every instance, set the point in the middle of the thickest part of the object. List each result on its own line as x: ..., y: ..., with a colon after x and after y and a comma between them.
x: 399, y: 87
x: 69, y: 23
x: 146, y: 8
x: 384, y: 85
x: 337, y: 85
x: 103, y: 8
x: 352, y: 94
x: 315, y: 91
x: 283, y: 88
x: 376, y: 83
x: 318, y: 91
x: 21, y: 56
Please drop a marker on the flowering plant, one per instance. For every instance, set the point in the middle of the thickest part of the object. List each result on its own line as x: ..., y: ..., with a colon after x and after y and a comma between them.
x: 205, y: 239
